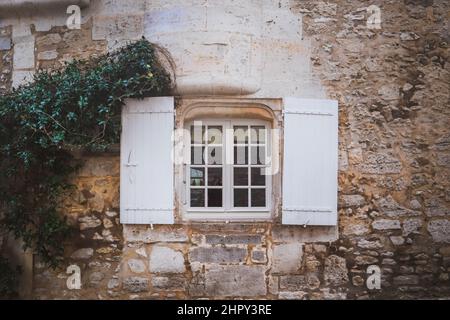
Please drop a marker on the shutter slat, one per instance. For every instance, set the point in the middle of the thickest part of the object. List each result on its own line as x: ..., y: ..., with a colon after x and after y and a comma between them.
x: 146, y: 175
x: 310, y: 162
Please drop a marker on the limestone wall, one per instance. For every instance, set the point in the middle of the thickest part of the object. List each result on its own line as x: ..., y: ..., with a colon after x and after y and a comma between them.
x: 394, y: 202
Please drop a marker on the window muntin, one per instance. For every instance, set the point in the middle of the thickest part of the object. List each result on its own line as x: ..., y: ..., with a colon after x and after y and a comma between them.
x: 206, y: 169
x: 227, y: 169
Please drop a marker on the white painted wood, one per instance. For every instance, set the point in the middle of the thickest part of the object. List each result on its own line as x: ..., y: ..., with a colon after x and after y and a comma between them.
x: 146, y: 172
x: 310, y: 162
x: 228, y: 212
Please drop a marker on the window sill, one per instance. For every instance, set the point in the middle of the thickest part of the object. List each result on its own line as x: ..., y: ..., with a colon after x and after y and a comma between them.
x: 227, y: 216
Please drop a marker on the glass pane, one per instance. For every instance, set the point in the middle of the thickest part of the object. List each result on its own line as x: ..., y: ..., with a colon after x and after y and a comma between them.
x: 240, y: 176
x: 197, y: 197
x: 240, y: 155
x: 214, y: 197
x: 198, y: 134
x: 258, y: 179
x: 258, y: 197
x: 240, y: 197
x: 214, y: 155
x: 258, y: 155
x: 215, y: 134
x: 197, y: 155
x: 197, y: 176
x: 240, y: 134
x: 258, y: 134
x: 214, y: 176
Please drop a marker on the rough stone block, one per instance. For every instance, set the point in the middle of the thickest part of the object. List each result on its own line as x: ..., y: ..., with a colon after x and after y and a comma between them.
x: 136, y: 284
x: 259, y: 256
x: 335, y: 271
x: 173, y: 283
x: 287, y: 258
x: 281, y: 233
x: 126, y: 26
x: 158, y: 234
x: 406, y: 280
x: 217, y: 255
x: 47, y: 55
x: 386, y: 224
x: 381, y: 163
x: 166, y: 260
x: 136, y: 265
x: 83, y: 254
x: 20, y: 77
x: 233, y: 239
x: 439, y: 230
x: 238, y: 281
x: 5, y: 43
x: 351, y: 200
x: 24, y: 53
x: 411, y: 226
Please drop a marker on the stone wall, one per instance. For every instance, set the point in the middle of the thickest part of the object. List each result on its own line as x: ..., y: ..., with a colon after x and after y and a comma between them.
x: 394, y: 202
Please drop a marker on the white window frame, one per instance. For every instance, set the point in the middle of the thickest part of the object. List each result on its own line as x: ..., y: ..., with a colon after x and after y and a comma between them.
x: 227, y: 212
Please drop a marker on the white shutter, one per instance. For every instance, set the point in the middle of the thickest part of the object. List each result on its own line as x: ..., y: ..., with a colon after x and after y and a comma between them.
x: 146, y: 172
x: 310, y: 162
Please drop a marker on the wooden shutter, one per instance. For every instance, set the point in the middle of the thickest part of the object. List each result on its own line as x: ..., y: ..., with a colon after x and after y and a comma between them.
x: 310, y: 162
x: 146, y: 172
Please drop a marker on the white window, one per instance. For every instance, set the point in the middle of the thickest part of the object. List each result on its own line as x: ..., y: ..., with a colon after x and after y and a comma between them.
x: 226, y: 175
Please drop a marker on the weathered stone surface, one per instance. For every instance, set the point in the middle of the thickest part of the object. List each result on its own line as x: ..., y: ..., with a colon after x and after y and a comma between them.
x: 89, y: 222
x: 335, y: 271
x: 409, y: 36
x: 232, y: 239
x: 47, y: 55
x: 389, y: 207
x: 173, y: 283
x: 113, y: 283
x: 166, y: 260
x: 355, y: 229
x: 24, y: 53
x: 389, y: 92
x: 288, y: 295
x: 406, y: 280
x: 365, y: 244
x: 259, y: 256
x: 158, y: 234
x: 411, y: 226
x: 136, y: 284
x: 439, y: 230
x: 397, y: 240
x: 48, y: 39
x: 136, y: 265
x: 358, y: 281
x: 100, y: 167
x: 386, y: 224
x: 287, y: 257
x: 381, y: 163
x: 282, y: 233
x: 239, y: 281
x: 96, y: 277
x: 83, y: 254
x: 5, y: 43
x: 129, y: 26
x: 217, y: 255
x: 435, y: 208
x: 299, y: 282
x: 363, y: 260
x: 352, y: 200
x: 107, y: 223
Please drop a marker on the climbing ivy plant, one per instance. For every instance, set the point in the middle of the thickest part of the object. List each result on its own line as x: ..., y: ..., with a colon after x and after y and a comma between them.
x: 41, y: 123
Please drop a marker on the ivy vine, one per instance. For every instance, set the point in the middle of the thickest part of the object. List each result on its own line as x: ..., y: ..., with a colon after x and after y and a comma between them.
x: 41, y: 123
